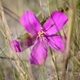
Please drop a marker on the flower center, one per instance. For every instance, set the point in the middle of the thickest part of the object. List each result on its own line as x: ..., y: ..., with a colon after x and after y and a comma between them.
x: 40, y: 33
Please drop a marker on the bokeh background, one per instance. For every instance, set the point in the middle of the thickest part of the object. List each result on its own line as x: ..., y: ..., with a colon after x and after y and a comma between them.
x: 16, y: 66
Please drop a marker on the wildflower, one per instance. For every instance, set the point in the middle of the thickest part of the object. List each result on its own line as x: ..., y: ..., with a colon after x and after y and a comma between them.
x: 43, y: 35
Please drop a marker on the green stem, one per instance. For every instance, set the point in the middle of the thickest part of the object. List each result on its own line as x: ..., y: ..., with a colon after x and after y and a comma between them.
x: 55, y: 65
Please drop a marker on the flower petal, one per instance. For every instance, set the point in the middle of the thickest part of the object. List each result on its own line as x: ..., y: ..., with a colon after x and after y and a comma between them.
x: 56, y: 42
x: 55, y: 22
x: 38, y: 54
x: 30, y: 22
x: 21, y: 45
x: 15, y: 45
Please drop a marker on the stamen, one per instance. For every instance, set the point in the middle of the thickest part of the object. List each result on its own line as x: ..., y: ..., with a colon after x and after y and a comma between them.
x: 40, y: 33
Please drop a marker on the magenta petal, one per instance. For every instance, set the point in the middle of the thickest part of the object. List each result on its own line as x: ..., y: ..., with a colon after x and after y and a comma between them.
x: 21, y: 45
x: 48, y: 24
x: 38, y: 54
x: 57, y: 42
x: 30, y: 22
x: 55, y: 22
x: 15, y: 46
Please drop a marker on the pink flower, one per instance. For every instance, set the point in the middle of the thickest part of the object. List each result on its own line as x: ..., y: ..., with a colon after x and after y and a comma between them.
x: 43, y: 35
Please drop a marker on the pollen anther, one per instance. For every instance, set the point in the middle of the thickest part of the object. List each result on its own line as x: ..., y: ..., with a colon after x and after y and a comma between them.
x: 40, y: 33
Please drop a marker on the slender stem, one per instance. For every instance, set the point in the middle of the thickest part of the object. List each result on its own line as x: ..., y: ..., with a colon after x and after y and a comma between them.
x: 72, y: 68
x: 41, y: 8
x: 70, y: 27
x: 55, y: 65
x: 48, y: 7
x: 56, y: 69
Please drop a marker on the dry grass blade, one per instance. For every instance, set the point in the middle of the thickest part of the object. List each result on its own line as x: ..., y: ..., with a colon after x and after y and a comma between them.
x: 9, y: 38
x: 70, y: 27
x: 7, y: 30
